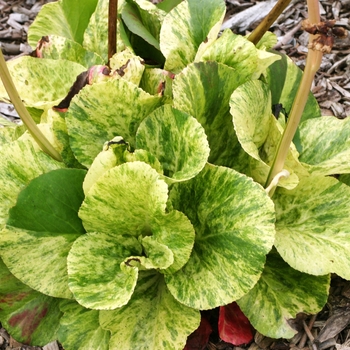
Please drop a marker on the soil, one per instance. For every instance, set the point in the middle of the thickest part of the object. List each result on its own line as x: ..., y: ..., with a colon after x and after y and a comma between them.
x: 330, y: 328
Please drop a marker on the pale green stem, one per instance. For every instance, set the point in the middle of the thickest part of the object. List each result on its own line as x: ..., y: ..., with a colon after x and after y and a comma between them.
x: 38, y: 136
x: 267, y: 22
x: 313, y: 63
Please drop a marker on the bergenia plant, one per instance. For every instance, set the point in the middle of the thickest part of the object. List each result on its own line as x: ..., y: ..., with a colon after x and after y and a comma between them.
x: 158, y: 208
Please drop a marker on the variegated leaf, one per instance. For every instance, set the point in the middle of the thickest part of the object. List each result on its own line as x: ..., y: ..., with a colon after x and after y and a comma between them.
x: 267, y: 42
x: 316, y: 214
x: 283, y: 78
x: 177, y: 140
x: 259, y: 134
x: 203, y: 90
x: 53, y: 126
x: 235, y: 51
x: 175, y: 231
x: 80, y: 328
x: 30, y: 317
x: 280, y: 294
x: 185, y: 27
x: 42, y: 226
x: 234, y: 222
x: 20, y: 163
x: 67, y: 18
x: 124, y: 200
x: 112, y: 155
x: 104, y: 110
x: 152, y: 319
x: 41, y: 83
x: 325, y: 145
x: 47, y: 253
x: 62, y: 48
x: 94, y: 268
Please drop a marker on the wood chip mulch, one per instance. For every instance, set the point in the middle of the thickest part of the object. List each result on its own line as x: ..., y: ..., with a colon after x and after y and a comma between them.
x: 330, y: 328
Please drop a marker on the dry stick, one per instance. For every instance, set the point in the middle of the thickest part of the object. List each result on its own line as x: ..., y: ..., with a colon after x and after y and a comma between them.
x: 313, y: 63
x: 112, y: 28
x: 309, y: 327
x: 267, y: 22
x: 38, y: 136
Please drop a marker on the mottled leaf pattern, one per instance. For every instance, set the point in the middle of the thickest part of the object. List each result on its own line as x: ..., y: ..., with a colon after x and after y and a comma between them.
x: 124, y: 200
x: 95, y: 276
x: 80, y: 328
x: 234, y: 51
x: 47, y: 271
x: 105, y: 110
x: 30, y: 317
x: 177, y: 140
x: 280, y: 294
x: 316, y: 214
x: 238, y: 243
x: 259, y: 134
x: 63, y: 48
x: 283, y: 78
x: 45, y: 215
x: 208, y: 87
x: 42, y: 83
x: 185, y: 27
x: 67, y: 18
x: 153, y: 319
x: 325, y: 145
x: 20, y: 163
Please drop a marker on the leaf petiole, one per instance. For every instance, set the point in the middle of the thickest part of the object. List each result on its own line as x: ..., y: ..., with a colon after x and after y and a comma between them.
x: 38, y: 136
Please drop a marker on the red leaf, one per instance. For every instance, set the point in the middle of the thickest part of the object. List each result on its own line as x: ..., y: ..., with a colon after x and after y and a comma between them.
x: 198, y: 340
x: 234, y: 327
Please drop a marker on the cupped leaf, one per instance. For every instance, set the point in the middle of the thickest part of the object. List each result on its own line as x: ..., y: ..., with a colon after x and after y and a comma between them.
x: 185, y: 27
x: 267, y: 42
x: 177, y: 140
x: 233, y: 218
x: 158, y: 81
x: 20, y: 163
x: 80, y: 328
x: 284, y: 77
x: 42, y: 226
x: 143, y: 19
x: 316, y: 214
x: 158, y: 255
x: 68, y: 18
x: 203, y: 91
x: 30, y: 317
x: 61, y: 48
x: 103, y: 110
x: 325, y: 145
x: 259, y: 134
x: 152, y: 319
x: 280, y: 294
x: 41, y: 83
x: 234, y: 51
x: 175, y: 231
x: 95, y: 275
x: 124, y: 200
x: 113, y: 154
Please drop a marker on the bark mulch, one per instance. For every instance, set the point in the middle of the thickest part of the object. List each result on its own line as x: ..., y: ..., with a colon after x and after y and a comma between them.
x: 330, y: 328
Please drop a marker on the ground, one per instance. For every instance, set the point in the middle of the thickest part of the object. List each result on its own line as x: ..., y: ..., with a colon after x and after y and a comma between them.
x: 330, y: 329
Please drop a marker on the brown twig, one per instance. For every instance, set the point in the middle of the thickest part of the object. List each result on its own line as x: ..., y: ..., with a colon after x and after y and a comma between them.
x: 112, y: 28
x: 306, y: 334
